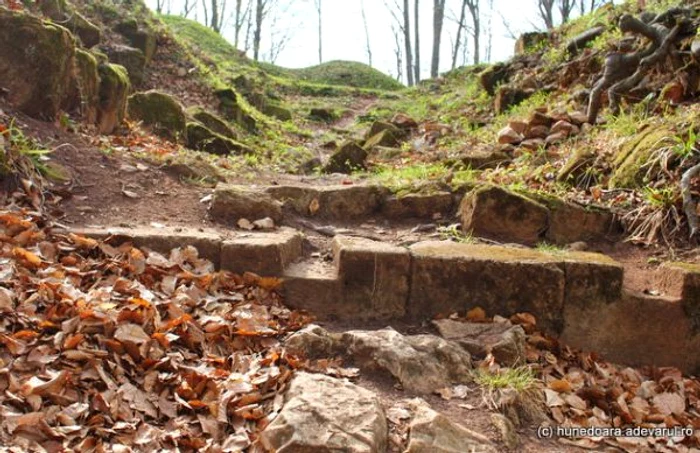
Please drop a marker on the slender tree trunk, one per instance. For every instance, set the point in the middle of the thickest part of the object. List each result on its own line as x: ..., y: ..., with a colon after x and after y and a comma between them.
x: 259, y: 15
x: 489, y: 26
x: 407, y: 42
x: 416, y: 47
x: 458, y: 40
x: 367, y: 41
x: 206, y: 12
x: 473, y: 6
x: 397, y: 53
x: 438, y: 16
x: 320, y: 31
x: 237, y: 26
x: 215, y: 16
x: 546, y: 11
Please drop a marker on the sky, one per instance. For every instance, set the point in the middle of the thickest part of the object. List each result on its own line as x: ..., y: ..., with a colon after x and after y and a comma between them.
x: 344, y: 36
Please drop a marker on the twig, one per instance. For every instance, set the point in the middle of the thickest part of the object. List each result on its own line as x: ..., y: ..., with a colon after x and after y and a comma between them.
x: 689, y: 205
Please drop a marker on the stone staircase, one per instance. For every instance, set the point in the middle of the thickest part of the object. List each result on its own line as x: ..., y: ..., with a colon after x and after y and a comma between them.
x: 576, y: 296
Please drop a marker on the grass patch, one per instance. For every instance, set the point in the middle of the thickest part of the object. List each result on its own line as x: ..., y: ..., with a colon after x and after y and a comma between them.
x: 404, y: 178
x: 521, y: 378
x: 348, y: 73
x: 454, y: 234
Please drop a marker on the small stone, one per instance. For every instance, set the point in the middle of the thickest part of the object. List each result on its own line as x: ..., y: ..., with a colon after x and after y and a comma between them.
x: 579, y: 246
x: 533, y: 144
x: 537, y: 132
x: 564, y: 127
x: 264, y: 224
x: 508, y: 136
x: 245, y: 224
x: 578, y: 118
x: 506, y: 429
x: 404, y: 121
x: 539, y: 118
x: 518, y: 126
x: 181, y: 72
x: 553, y: 139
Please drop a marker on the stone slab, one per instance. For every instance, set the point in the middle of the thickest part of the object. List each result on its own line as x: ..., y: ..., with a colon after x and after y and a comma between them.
x: 374, y: 277
x: 450, y: 277
x: 423, y: 206
x: 231, y: 203
x: 313, y: 287
x: 683, y: 280
x: 265, y: 254
x: 333, y: 202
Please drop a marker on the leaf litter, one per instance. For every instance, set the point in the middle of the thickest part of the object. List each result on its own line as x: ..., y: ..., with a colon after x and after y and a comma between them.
x: 114, y: 348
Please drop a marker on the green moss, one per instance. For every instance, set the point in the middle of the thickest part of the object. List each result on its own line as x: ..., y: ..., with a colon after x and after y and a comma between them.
x: 203, y: 139
x: 88, y: 84
x: 634, y: 153
x: 160, y: 111
x: 211, y: 121
x: 348, y: 73
x: 114, y: 89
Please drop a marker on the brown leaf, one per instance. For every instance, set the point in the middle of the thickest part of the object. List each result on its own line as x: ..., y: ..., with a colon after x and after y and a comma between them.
x: 669, y: 403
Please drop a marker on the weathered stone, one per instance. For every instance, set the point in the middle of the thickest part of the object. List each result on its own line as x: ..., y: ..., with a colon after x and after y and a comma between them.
x: 266, y: 254
x: 530, y: 41
x: 556, y: 138
x: 450, y: 277
x: 230, y: 203
x: 314, y: 287
x: 161, y: 240
x: 533, y: 144
x: 565, y: 127
x: 59, y: 12
x: 114, y: 90
x: 162, y: 112
x: 374, y: 276
x: 381, y: 126
x: 142, y: 39
x: 507, y: 97
x: 384, y: 138
x: 505, y: 342
x: 581, y: 40
x: 569, y: 222
x: 417, y: 205
x: 518, y: 126
x: 312, y: 342
x: 349, y: 157
x: 421, y: 363
x: 494, y: 75
x: 683, y: 280
x: 628, y: 165
x: 432, y: 432
x: 211, y: 121
x: 484, y: 158
x: 500, y: 214
x: 508, y: 136
x: 277, y: 111
x: 232, y: 109
x: 36, y: 64
x: 577, y: 164
x: 538, y: 118
x: 537, y: 132
x: 196, y: 169
x: 404, y: 122
x: 87, y: 86
x: 322, y: 114
x: 132, y: 59
x: 327, y: 415
x: 591, y: 279
x: 203, y: 139
x: 637, y: 330
x: 334, y: 202
x: 578, y: 118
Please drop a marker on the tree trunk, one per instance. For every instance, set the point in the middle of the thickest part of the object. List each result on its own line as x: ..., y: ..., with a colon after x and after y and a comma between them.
x: 239, y: 23
x: 259, y: 15
x: 438, y: 16
x: 367, y: 41
x: 407, y: 42
x: 416, y: 30
x: 320, y: 31
x: 215, y: 16
x: 458, y: 40
x: 473, y: 6
x: 546, y: 11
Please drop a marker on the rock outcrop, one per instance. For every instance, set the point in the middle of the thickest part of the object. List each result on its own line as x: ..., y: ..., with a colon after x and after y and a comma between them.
x: 160, y: 111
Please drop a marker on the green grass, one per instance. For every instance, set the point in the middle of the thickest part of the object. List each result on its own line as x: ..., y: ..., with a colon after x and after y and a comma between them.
x: 521, y: 378
x: 348, y: 73
x: 406, y: 178
x: 453, y: 233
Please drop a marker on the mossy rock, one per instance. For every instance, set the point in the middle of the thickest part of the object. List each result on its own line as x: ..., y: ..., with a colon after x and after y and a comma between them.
x: 326, y: 115
x: 131, y: 58
x: 277, y: 111
x: 349, y: 157
x: 203, y: 139
x: 211, y: 121
x: 384, y: 138
x: 576, y: 165
x: 87, y: 86
x: 143, y: 39
x: 381, y: 126
x: 36, y: 64
x: 493, y: 76
x: 634, y: 153
x: 194, y: 169
x: 114, y: 90
x: 162, y: 112
x: 60, y: 12
x: 232, y: 109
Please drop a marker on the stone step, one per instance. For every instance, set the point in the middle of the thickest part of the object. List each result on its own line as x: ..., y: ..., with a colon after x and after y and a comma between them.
x: 314, y: 287
x: 263, y: 254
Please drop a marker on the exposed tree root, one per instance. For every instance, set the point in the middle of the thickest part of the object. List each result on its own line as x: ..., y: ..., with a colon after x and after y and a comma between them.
x: 689, y: 204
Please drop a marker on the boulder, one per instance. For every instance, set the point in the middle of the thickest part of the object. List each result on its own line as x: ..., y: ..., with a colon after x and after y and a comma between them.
x: 277, y: 111
x: 231, y: 203
x: 432, y: 432
x: 114, y: 90
x: 503, y: 215
x: 312, y: 342
x: 160, y: 111
x: 36, y: 64
x: 211, y: 121
x: 530, y: 41
x: 505, y: 342
x: 348, y: 158
x: 385, y: 138
x: 144, y: 40
x: 508, y: 136
x: 196, y: 169
x: 327, y: 415
x: 628, y: 171
x: 204, y: 139
x: 234, y: 111
x: 381, y: 126
x: 404, y: 122
x: 58, y: 11
x: 421, y: 363
x: 322, y: 114
x: 569, y: 222
x: 131, y: 58
x: 87, y: 86
x: 493, y: 76
x: 507, y: 97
